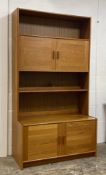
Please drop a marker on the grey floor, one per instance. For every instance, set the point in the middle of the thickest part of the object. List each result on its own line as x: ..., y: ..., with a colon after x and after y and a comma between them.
x: 84, y: 166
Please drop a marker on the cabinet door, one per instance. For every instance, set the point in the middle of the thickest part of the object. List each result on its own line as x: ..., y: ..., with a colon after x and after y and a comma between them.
x: 72, y: 55
x: 81, y: 137
x: 42, y: 141
x: 36, y: 54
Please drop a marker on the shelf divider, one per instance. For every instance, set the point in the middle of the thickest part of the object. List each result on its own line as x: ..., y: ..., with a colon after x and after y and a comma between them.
x: 51, y: 89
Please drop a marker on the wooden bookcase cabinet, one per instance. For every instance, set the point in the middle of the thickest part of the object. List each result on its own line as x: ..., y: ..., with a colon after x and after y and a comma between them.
x: 51, y: 88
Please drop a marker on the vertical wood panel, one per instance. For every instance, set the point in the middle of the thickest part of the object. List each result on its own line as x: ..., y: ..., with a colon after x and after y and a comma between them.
x: 42, y: 141
x: 36, y: 54
x: 73, y: 55
x: 15, y: 104
x: 25, y: 143
x: 81, y: 137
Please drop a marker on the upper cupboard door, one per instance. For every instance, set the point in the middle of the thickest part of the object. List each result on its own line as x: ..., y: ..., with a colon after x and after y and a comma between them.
x: 36, y: 54
x: 72, y: 55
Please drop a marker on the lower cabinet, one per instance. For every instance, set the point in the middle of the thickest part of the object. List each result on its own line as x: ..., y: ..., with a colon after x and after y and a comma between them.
x: 47, y: 141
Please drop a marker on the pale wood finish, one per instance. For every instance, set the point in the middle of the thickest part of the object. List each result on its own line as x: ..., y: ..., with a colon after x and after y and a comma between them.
x: 42, y: 141
x: 80, y: 137
x: 72, y: 55
x: 36, y: 54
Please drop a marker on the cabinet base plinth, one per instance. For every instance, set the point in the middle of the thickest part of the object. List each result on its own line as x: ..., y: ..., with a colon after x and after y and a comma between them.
x: 58, y: 159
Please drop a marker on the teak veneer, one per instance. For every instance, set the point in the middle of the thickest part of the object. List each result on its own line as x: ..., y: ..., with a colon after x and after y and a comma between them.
x: 51, y: 56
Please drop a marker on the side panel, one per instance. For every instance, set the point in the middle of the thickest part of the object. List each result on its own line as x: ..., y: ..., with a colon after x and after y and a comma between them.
x: 17, y: 133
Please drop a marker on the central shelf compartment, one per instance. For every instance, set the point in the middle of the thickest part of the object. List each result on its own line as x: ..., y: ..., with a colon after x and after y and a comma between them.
x: 44, y: 93
x: 32, y: 104
x: 52, y: 81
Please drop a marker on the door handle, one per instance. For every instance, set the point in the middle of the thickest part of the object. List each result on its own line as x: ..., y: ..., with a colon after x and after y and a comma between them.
x: 58, y: 54
x: 53, y: 55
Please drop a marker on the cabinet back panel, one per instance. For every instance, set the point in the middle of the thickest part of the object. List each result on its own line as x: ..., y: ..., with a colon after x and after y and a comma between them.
x: 45, y: 79
x: 55, y: 27
x: 30, y: 25
x: 83, y: 103
x: 34, y: 102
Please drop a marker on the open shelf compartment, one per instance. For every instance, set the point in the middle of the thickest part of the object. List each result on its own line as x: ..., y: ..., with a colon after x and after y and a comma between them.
x: 52, y: 82
x: 61, y: 26
x: 36, y: 104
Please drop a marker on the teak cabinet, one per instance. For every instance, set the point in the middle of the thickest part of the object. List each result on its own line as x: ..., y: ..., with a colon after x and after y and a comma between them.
x: 51, y: 121
x: 53, y: 54
x: 63, y: 139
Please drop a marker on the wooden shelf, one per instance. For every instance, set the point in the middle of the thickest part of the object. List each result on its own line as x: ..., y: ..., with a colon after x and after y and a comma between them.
x: 66, y: 38
x: 57, y: 118
x: 50, y: 89
x: 50, y: 111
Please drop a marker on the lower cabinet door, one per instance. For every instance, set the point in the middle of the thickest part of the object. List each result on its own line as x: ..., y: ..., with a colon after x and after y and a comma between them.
x: 80, y: 137
x: 52, y: 140
x: 42, y: 141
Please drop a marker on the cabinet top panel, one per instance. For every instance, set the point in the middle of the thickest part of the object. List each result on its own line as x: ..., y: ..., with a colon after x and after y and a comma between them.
x: 48, y: 119
x: 51, y: 14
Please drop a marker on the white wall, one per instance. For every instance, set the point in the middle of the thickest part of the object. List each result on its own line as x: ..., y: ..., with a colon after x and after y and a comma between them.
x: 97, y: 104
x: 101, y: 72
x: 3, y: 75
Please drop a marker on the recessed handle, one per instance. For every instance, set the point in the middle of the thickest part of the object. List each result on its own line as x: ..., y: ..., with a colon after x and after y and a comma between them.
x: 58, y: 54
